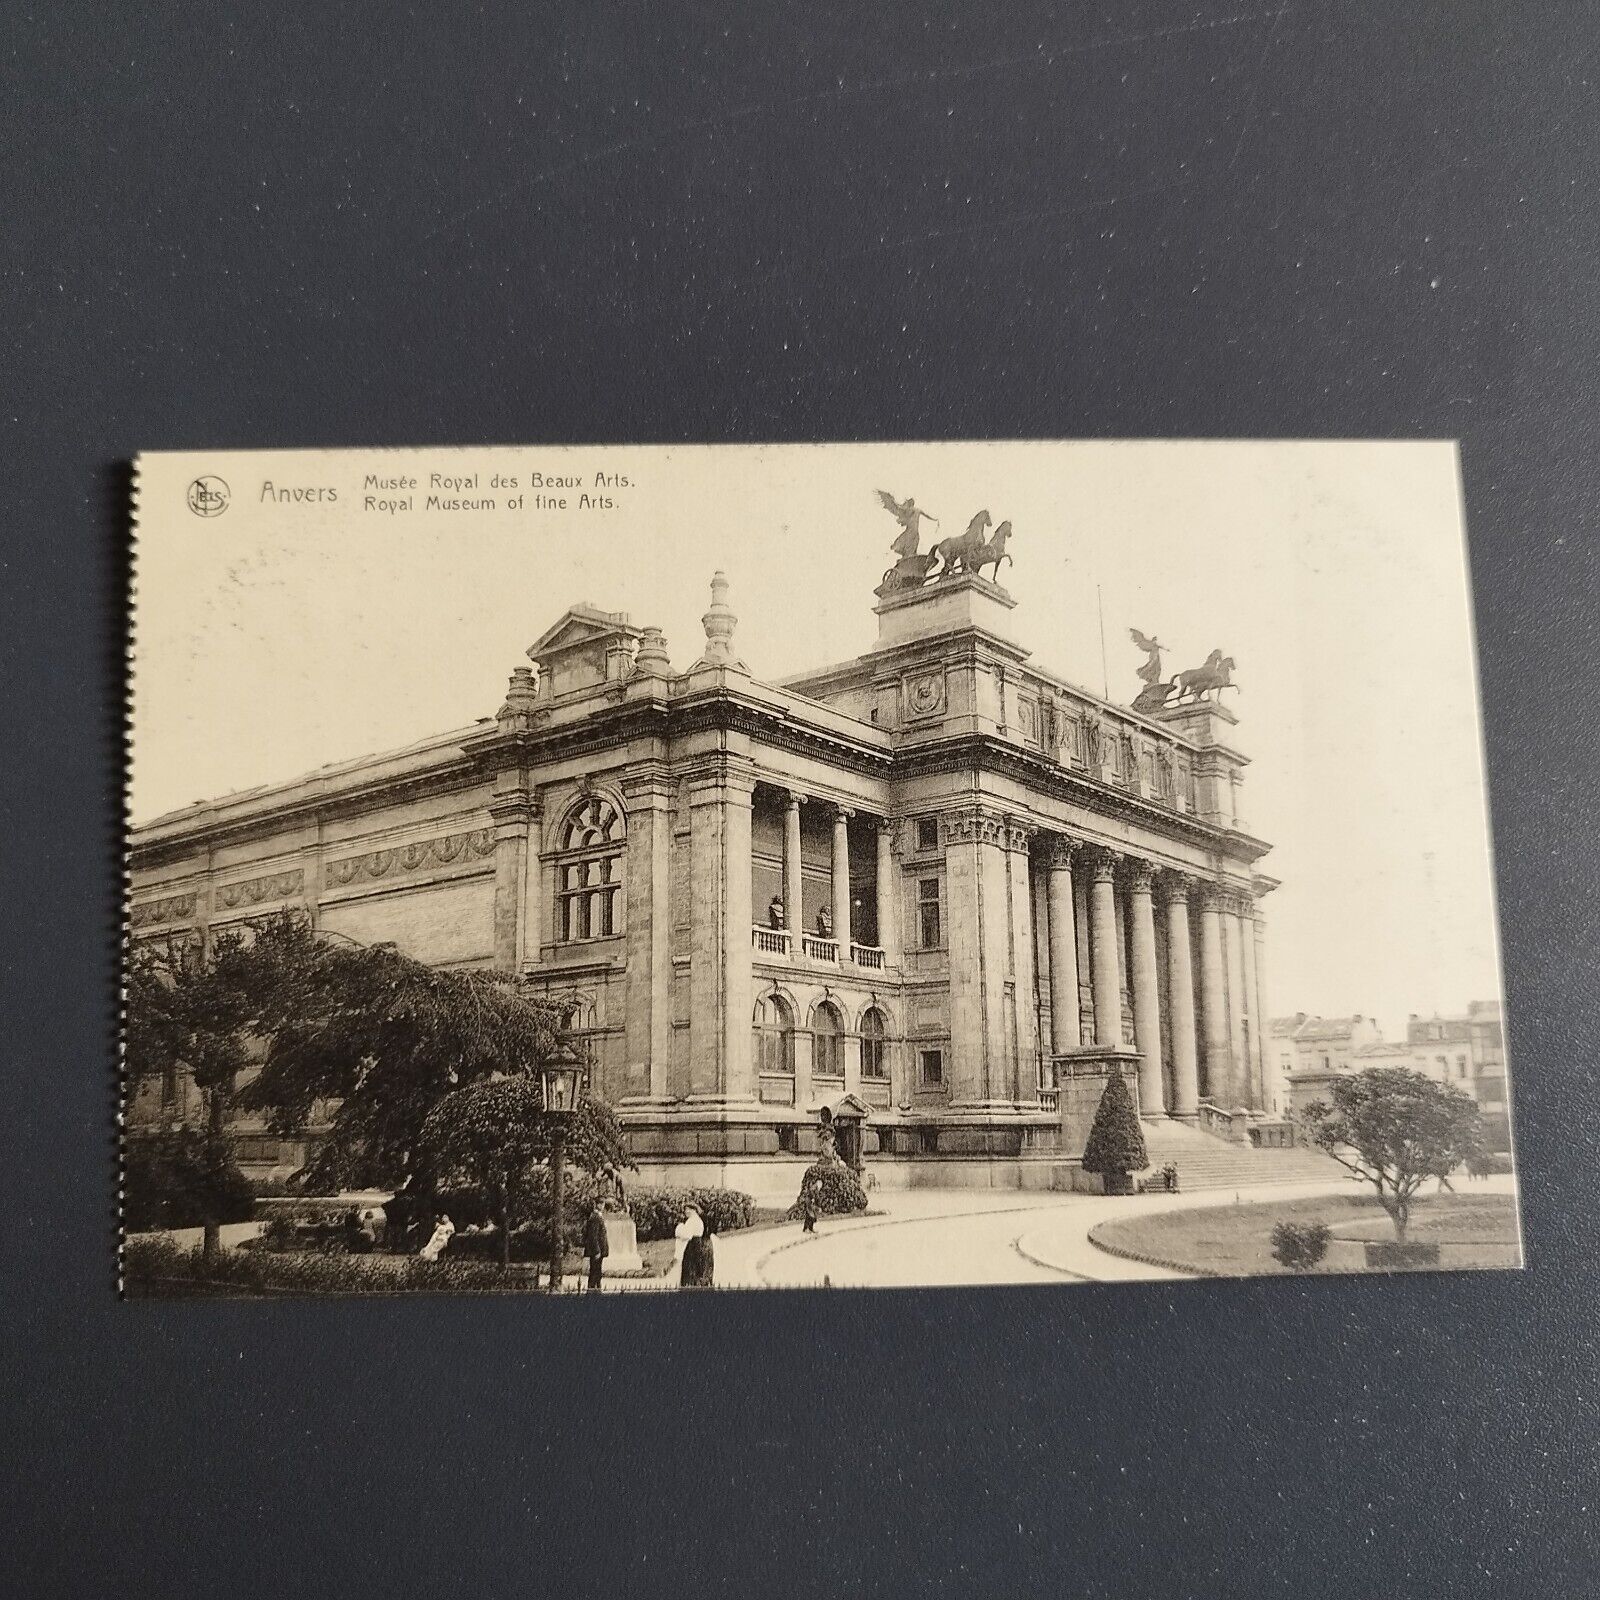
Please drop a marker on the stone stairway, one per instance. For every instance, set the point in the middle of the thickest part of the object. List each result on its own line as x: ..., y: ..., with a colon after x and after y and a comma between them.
x: 1207, y: 1162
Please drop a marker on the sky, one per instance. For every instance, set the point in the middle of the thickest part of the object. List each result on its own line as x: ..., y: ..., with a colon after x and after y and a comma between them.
x: 292, y: 629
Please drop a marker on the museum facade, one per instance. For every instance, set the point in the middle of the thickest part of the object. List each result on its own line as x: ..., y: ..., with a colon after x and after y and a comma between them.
x: 937, y: 878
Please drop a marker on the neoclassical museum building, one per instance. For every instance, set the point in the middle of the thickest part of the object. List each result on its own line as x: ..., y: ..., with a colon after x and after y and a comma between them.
x: 936, y: 885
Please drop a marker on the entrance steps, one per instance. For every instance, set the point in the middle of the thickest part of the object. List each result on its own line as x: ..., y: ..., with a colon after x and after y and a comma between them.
x: 1207, y: 1162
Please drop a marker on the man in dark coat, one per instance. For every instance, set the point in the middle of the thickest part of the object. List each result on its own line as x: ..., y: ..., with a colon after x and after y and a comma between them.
x: 595, y: 1244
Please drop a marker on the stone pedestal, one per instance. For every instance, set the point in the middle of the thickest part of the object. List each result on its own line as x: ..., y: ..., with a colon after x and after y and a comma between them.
x: 1081, y: 1081
x: 622, y: 1244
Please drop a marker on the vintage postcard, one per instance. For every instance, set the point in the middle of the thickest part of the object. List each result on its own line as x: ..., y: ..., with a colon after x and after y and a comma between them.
x: 619, y: 869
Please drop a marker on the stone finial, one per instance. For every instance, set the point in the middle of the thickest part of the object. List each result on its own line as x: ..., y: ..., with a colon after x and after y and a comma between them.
x: 652, y: 660
x: 521, y: 696
x: 719, y: 623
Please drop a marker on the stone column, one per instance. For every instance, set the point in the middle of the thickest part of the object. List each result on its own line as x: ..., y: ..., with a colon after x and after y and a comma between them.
x: 841, y: 880
x: 511, y: 814
x: 648, y: 889
x: 1214, y: 1001
x: 1233, y: 929
x: 793, y: 903
x: 721, y: 998
x: 1025, y: 1024
x: 1145, y: 984
x: 1272, y: 1087
x: 1254, y: 1055
x: 1105, y: 968
x: 1180, y: 1000
x: 1065, y: 1031
x: 888, y: 880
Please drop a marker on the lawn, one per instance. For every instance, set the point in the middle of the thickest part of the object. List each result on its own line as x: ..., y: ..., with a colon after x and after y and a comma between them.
x: 1475, y: 1231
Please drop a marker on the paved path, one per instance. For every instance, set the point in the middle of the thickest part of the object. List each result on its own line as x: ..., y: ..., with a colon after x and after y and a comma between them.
x: 931, y: 1237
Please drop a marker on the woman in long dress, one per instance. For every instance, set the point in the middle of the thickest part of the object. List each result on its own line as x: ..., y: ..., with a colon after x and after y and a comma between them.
x: 691, y: 1227
x: 700, y: 1261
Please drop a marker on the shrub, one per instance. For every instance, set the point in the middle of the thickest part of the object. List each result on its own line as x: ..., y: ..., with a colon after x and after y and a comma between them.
x: 182, y: 1179
x: 656, y: 1213
x: 1116, y: 1141
x: 1300, y: 1246
x: 839, y: 1191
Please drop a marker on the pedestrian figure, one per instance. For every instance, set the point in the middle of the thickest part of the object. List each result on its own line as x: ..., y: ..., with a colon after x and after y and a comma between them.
x: 444, y: 1231
x: 595, y: 1244
x: 775, y: 914
x: 700, y: 1259
x: 692, y: 1226
x: 810, y: 1210
x: 825, y: 923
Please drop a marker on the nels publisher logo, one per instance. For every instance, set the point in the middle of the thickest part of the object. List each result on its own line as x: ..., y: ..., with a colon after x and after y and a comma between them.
x: 208, y: 497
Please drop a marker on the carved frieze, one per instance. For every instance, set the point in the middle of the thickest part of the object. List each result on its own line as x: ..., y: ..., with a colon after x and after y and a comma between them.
x: 253, y: 891
x: 455, y: 849
x: 170, y: 908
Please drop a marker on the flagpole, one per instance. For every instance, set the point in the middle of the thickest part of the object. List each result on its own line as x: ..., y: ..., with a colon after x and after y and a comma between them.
x: 1105, y: 671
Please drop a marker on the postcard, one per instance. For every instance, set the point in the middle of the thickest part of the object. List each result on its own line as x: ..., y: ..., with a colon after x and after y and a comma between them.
x: 625, y: 869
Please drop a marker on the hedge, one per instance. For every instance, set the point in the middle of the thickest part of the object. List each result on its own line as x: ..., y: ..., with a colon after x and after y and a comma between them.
x: 656, y: 1213
x: 839, y: 1192
x: 158, y: 1265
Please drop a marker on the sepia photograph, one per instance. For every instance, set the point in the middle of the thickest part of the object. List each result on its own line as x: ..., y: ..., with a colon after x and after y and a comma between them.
x: 620, y: 870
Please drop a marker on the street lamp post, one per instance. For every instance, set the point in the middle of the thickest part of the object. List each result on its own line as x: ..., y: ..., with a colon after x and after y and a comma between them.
x: 560, y: 1088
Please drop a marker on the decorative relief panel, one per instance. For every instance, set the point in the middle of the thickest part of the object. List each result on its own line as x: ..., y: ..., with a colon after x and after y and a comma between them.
x: 1028, y: 720
x: 276, y: 886
x: 924, y: 694
x: 455, y: 849
x: 173, y: 908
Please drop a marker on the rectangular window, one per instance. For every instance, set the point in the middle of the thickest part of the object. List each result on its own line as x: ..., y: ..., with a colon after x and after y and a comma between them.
x: 928, y: 920
x: 932, y: 1067
x: 927, y: 833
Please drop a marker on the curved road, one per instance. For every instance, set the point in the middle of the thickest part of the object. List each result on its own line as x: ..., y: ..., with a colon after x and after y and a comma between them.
x: 936, y: 1238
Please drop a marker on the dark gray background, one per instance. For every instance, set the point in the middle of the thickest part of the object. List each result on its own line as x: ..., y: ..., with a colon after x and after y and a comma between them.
x: 306, y: 224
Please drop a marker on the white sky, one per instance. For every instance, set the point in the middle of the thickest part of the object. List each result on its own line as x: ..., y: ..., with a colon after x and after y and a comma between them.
x: 273, y: 638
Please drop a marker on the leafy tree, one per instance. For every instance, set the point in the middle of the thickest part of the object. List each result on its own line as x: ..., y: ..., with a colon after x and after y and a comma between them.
x: 1116, y: 1141
x: 182, y: 1178
x: 364, y: 1035
x: 384, y: 1037
x: 491, y: 1134
x: 1394, y: 1128
x: 185, y: 1012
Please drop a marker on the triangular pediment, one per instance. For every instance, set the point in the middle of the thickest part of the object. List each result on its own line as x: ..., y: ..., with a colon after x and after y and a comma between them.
x: 582, y: 625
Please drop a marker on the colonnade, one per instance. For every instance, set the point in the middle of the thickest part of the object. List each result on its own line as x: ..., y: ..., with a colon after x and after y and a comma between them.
x: 843, y: 933
x: 1196, y: 1005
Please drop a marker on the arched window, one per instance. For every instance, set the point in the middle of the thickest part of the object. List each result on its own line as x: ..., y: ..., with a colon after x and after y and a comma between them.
x: 774, y: 1036
x: 827, y: 1034
x: 589, y: 872
x: 874, y: 1044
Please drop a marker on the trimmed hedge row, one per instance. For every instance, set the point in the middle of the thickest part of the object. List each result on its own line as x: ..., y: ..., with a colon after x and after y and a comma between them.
x: 656, y: 1213
x: 157, y: 1265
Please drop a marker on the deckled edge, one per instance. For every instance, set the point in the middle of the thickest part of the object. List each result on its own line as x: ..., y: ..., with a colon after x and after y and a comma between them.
x: 125, y: 591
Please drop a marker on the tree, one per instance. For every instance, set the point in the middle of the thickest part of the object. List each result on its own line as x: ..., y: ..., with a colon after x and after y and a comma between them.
x: 382, y: 1038
x: 1116, y: 1141
x: 186, y: 1012
x: 1394, y: 1128
x: 490, y: 1135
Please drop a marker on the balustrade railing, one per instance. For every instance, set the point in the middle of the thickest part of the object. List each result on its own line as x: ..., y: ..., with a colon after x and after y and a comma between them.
x: 818, y: 948
x: 771, y: 941
x: 1049, y: 1099
x: 867, y: 955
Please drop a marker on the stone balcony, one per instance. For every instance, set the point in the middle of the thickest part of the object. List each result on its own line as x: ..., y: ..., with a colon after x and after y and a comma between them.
x: 779, y: 943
